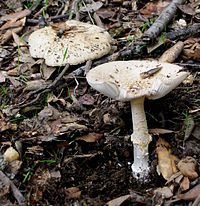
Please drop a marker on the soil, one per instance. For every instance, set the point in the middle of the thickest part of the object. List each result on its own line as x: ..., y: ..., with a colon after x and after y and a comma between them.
x: 69, y: 169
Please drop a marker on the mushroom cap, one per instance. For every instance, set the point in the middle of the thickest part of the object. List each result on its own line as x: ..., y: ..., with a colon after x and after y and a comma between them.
x: 78, y: 43
x: 127, y: 80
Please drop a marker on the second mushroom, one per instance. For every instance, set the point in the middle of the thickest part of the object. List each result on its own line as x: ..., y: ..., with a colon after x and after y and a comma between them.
x: 133, y: 81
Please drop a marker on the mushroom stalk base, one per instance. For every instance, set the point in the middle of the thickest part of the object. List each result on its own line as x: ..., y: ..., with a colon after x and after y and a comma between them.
x: 140, y: 139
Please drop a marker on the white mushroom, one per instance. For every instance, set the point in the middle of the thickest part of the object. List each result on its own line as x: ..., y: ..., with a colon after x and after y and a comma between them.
x: 133, y: 81
x: 78, y: 43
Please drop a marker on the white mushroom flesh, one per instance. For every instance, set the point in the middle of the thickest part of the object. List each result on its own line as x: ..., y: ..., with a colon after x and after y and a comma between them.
x: 133, y: 81
x: 122, y: 80
x: 78, y: 43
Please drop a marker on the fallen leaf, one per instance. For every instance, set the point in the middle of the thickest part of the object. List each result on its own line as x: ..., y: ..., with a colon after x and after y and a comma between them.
x: 2, y: 77
x: 8, y: 34
x: 164, y: 191
x: 196, y: 132
x: 4, y: 126
x: 153, y: 8
x: 35, y: 84
x: 185, y: 184
x: 47, y: 71
x: 91, y: 137
x: 191, y: 194
x: 73, y: 192
x: 187, y: 167
x: 189, y: 126
x: 12, y: 24
x: 187, y: 9
x: 166, y: 161
x: 16, y: 15
x: 157, y: 131
x: 86, y: 99
x: 91, y: 7
x: 118, y: 201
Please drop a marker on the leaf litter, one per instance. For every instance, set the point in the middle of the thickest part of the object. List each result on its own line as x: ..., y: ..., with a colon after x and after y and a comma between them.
x: 75, y: 142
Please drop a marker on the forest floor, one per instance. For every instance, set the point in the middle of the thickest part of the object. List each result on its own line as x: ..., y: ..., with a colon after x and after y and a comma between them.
x: 72, y: 144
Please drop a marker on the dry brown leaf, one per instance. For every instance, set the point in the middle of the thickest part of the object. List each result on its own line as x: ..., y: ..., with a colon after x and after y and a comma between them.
x: 153, y: 8
x: 166, y: 161
x: 118, y: 201
x: 185, y: 184
x: 164, y: 191
x: 8, y: 34
x: 16, y: 15
x: 187, y: 167
x: 191, y: 194
x: 4, y: 126
x: 91, y: 7
x: 157, y: 131
x: 91, y: 137
x: 189, y: 126
x: 11, y: 24
x: 73, y: 192
x: 192, y: 49
x: 19, y: 41
x: 34, y: 85
x: 171, y: 54
x: 86, y: 99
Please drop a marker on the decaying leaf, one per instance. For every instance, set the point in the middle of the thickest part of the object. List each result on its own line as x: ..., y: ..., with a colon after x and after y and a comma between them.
x: 4, y: 126
x: 35, y: 84
x: 166, y: 161
x: 191, y: 194
x: 153, y: 8
x: 157, y: 131
x: 86, y: 99
x: 16, y: 15
x: 185, y: 184
x: 72, y: 192
x: 118, y: 201
x: 187, y: 167
x: 189, y: 126
x: 192, y: 49
x: 91, y: 137
x: 164, y: 191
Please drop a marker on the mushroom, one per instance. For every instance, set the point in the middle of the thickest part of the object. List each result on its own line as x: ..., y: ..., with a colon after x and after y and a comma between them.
x: 71, y: 42
x: 133, y: 81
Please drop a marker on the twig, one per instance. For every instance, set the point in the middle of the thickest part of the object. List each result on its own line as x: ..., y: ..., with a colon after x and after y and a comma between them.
x: 16, y: 193
x: 161, y: 22
x: 42, y: 90
x: 193, y: 30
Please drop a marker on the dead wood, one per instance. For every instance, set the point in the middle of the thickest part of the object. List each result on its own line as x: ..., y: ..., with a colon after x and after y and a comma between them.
x: 181, y: 34
x: 162, y: 21
x: 16, y: 193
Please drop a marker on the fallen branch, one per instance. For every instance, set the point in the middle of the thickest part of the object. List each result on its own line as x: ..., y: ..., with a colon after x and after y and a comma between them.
x: 162, y: 21
x: 181, y: 34
x: 16, y: 193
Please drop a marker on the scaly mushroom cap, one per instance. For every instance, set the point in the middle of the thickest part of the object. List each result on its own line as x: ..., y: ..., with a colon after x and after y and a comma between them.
x: 78, y: 43
x: 126, y: 80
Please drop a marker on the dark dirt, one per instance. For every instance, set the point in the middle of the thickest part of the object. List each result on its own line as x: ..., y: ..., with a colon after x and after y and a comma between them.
x: 97, y: 171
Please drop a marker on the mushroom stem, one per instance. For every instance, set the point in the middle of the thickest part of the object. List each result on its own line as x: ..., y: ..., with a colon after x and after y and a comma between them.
x: 140, y: 139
